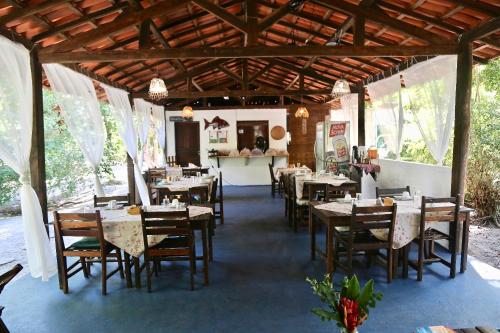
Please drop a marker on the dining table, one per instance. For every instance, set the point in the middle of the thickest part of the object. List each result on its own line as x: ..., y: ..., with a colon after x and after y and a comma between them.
x: 124, y: 230
x: 341, y: 183
x: 337, y: 214
x: 288, y: 170
x: 183, y: 185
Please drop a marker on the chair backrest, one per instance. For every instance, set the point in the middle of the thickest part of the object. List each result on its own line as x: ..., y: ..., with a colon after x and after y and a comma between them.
x: 314, y: 190
x: 9, y: 275
x: 333, y: 192
x: 391, y: 192
x: 372, y: 218
x: 213, y: 193
x: 271, y: 172
x: 439, y: 210
x: 153, y: 175
x: 166, y: 223
x: 182, y: 196
x: 120, y: 199
x: 190, y: 172
x: 171, y: 160
x: 78, y: 225
x: 198, y: 194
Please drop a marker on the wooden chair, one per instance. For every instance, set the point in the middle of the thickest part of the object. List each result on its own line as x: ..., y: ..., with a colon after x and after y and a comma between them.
x: 391, y: 192
x: 275, y: 183
x: 154, y: 175
x: 198, y: 195
x: 92, y: 245
x: 163, y: 192
x: 358, y: 239
x: 177, y: 245
x: 310, y: 192
x: 120, y: 199
x: 436, y: 210
x: 219, y: 214
x: 4, y: 279
x: 171, y: 161
x: 190, y: 172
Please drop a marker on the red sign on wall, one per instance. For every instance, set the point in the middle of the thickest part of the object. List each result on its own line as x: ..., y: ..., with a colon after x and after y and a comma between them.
x: 337, y: 129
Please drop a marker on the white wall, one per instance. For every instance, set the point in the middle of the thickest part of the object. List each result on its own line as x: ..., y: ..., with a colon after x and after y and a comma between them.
x: 235, y: 171
x: 431, y: 180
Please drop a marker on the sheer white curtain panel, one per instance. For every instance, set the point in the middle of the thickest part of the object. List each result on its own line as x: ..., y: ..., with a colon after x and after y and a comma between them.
x: 159, y: 121
x: 143, y: 111
x: 122, y: 112
x: 387, y: 111
x: 76, y: 96
x: 16, y: 123
x: 430, y: 92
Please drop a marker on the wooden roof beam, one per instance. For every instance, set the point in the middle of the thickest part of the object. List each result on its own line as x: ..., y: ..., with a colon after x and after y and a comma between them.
x: 120, y: 23
x: 249, y: 52
x: 481, y: 31
x: 239, y: 93
x: 222, y: 14
x: 481, y: 7
x: 20, y: 13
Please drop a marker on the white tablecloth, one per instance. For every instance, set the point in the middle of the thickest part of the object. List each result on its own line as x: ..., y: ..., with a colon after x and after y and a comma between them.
x: 284, y: 170
x: 407, y: 225
x: 184, y: 184
x: 320, y: 179
x: 174, y: 171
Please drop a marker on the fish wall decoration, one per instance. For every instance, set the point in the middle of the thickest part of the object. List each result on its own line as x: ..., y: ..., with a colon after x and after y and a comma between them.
x: 216, y: 123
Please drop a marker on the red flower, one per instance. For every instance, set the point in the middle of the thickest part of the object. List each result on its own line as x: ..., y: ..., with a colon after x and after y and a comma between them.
x: 350, y: 312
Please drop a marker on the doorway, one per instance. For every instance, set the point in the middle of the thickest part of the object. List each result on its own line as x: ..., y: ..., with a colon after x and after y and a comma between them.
x: 249, y: 131
x: 187, y: 143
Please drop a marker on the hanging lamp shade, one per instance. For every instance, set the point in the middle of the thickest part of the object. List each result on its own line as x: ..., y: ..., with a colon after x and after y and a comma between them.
x: 340, y: 88
x: 187, y: 112
x: 304, y: 114
x: 157, y: 89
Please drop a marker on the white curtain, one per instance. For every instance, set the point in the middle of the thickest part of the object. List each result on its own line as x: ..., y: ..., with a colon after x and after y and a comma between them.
x: 159, y: 122
x: 387, y: 106
x: 430, y: 91
x: 76, y: 96
x: 143, y: 111
x: 122, y: 112
x: 349, y: 103
x: 16, y: 122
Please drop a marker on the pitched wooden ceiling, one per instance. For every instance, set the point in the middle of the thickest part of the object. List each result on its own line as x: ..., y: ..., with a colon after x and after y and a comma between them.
x: 73, y: 26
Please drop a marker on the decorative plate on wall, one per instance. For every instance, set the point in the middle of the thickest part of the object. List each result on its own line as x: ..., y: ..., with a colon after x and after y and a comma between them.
x: 277, y: 133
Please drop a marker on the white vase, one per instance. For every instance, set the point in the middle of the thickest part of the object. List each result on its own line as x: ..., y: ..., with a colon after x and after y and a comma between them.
x: 344, y: 330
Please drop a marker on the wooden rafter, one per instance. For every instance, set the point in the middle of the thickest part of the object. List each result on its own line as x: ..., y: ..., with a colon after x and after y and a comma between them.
x: 222, y: 14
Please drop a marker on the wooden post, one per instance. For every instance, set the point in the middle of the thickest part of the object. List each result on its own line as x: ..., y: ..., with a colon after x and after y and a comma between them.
x: 37, y: 155
x: 462, y: 118
x: 361, y: 114
x: 132, y: 186
x: 359, y: 30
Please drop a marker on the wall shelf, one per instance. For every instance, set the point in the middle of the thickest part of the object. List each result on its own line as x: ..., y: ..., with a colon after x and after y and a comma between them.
x: 247, y: 158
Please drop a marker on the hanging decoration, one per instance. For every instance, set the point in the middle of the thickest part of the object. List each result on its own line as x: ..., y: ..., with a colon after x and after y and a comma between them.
x: 303, y: 113
x: 340, y: 88
x: 157, y: 89
x: 187, y: 112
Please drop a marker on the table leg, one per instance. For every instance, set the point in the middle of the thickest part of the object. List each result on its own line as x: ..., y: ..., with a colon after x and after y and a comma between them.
x: 137, y: 272
x: 329, y: 250
x: 465, y: 243
x: 128, y: 270
x: 312, y: 233
x: 210, y: 235
x: 205, y: 251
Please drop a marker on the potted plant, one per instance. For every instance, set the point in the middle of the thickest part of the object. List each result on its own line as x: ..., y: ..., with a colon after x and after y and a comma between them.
x: 349, y: 307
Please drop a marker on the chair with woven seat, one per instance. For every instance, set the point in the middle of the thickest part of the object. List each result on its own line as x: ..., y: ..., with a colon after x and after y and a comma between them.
x: 357, y: 238
x: 310, y: 191
x: 178, y: 244
x: 4, y: 279
x: 391, y: 192
x: 120, y: 200
x: 92, y: 245
x: 275, y: 183
x: 434, y: 212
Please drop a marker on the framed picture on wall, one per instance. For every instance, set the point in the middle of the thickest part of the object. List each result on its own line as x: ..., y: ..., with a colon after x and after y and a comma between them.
x: 222, y: 135
x: 213, y: 137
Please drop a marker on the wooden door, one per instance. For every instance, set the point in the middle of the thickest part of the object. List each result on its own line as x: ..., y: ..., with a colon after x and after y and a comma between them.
x: 187, y: 143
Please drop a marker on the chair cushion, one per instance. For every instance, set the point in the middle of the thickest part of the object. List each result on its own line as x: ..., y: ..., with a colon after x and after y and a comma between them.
x: 342, y: 229
x: 172, y: 242
x: 86, y: 243
x: 302, y: 202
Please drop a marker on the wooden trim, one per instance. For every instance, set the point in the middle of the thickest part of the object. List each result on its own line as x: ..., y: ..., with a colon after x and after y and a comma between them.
x: 46, y: 56
x: 274, y: 17
x: 361, y: 114
x: 30, y: 10
x: 481, y: 7
x: 481, y: 30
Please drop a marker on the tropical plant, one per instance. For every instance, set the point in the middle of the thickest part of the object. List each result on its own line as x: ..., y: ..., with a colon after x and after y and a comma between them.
x: 349, y: 307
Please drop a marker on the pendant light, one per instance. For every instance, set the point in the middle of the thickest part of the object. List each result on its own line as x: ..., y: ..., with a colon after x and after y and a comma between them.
x: 302, y: 113
x: 157, y: 89
x: 340, y: 88
x: 187, y: 112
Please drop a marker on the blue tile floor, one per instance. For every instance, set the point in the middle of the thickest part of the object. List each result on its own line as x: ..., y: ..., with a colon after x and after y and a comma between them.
x: 257, y: 285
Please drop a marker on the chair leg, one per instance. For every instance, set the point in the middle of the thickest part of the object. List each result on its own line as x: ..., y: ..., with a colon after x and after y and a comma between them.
x: 453, y: 244
x: 64, y: 268
x: 272, y: 189
x: 84, y: 267
x: 420, y: 264
x: 390, y: 253
x: 286, y: 207
x: 192, y: 269
x: 221, y: 206
x: 406, y: 253
x: 104, y: 273
x: 148, y: 273
x: 120, y: 262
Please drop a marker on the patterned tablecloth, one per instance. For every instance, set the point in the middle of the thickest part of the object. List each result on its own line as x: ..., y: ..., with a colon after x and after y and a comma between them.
x: 125, y: 231
x: 321, y: 179
x: 407, y: 224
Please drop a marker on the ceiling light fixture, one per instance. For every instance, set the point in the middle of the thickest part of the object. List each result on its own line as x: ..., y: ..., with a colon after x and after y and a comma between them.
x: 187, y: 112
x: 340, y: 88
x: 157, y: 89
